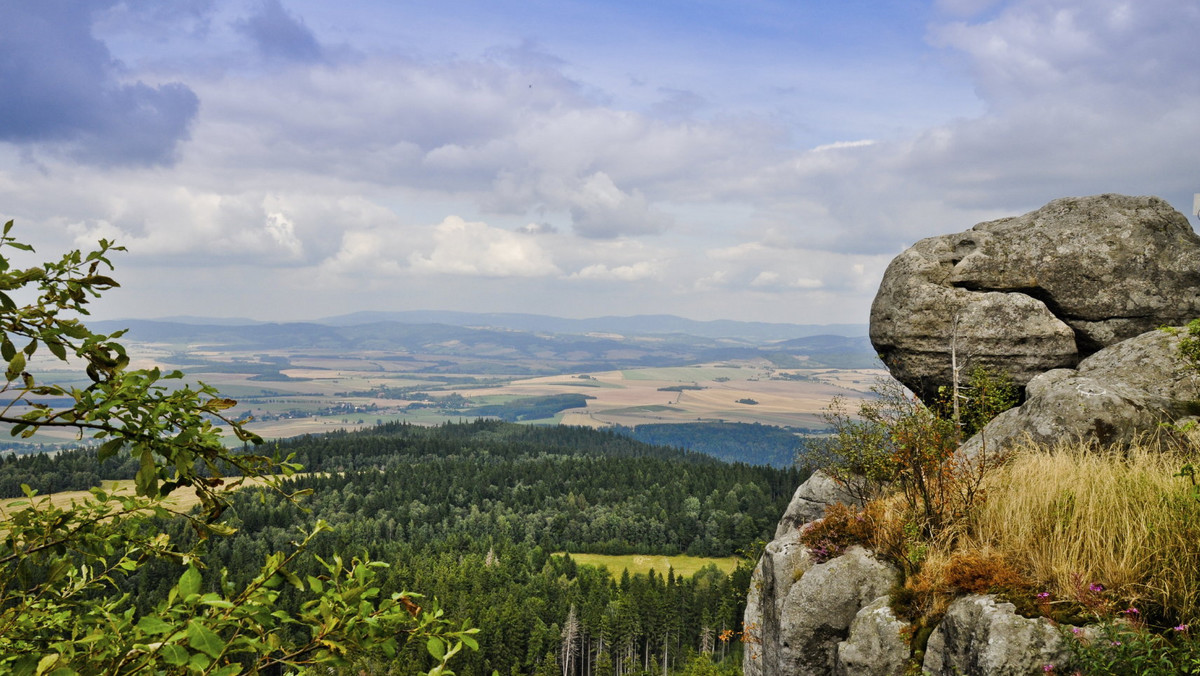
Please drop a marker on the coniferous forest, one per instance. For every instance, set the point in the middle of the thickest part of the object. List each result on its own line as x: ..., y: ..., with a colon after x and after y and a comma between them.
x: 476, y: 515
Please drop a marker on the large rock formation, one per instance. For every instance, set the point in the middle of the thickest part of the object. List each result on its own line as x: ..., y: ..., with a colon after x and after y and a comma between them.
x: 1116, y: 395
x: 1036, y: 292
x: 1081, y: 282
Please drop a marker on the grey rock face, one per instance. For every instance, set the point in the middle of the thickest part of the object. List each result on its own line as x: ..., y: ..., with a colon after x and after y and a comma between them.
x: 809, y: 502
x: 876, y: 645
x: 783, y: 562
x: 982, y: 637
x: 1037, y: 292
x: 1115, y: 395
x: 819, y: 608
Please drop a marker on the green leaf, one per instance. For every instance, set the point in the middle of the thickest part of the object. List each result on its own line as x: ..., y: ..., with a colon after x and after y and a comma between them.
x: 57, y: 349
x: 7, y: 350
x: 108, y: 449
x: 199, y: 662
x: 189, y: 582
x: 153, y: 625
x: 146, y: 478
x: 45, y: 663
x: 175, y: 655
x: 228, y: 670
x: 203, y: 639
x: 436, y: 648
x: 16, y: 365
x: 292, y: 578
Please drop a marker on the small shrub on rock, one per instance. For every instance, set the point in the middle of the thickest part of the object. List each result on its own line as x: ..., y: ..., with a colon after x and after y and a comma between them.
x: 842, y: 527
x: 977, y: 572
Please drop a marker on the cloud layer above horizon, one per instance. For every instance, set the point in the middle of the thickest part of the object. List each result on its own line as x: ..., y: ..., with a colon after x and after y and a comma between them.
x: 289, y: 159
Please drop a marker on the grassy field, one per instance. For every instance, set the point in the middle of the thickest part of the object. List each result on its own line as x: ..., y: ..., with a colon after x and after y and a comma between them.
x: 636, y: 564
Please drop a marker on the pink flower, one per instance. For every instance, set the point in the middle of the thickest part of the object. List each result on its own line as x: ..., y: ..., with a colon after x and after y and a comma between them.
x: 1182, y: 627
x: 1131, y: 611
x: 1043, y: 596
x: 1095, y: 587
x: 1048, y: 668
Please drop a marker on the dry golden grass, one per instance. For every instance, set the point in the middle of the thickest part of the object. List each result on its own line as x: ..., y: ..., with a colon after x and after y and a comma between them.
x: 1070, y: 516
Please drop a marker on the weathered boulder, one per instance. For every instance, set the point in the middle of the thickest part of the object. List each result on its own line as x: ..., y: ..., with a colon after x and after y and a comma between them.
x: 1036, y: 292
x: 1114, y: 396
x: 820, y: 606
x: 981, y: 636
x: 876, y: 645
x: 810, y: 500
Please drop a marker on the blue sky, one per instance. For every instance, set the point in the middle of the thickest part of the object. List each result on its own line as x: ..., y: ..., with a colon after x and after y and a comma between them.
x: 757, y: 160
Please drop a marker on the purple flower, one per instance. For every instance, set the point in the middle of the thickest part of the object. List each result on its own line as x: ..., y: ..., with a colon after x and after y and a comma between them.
x: 1131, y: 611
x: 1095, y: 587
x: 1043, y: 596
x: 1048, y: 668
x: 1182, y: 627
x: 1076, y: 630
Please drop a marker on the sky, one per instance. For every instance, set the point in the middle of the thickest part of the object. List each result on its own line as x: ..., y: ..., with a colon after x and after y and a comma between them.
x: 758, y: 160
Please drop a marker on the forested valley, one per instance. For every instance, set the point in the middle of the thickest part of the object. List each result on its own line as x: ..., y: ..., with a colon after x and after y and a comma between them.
x: 476, y: 515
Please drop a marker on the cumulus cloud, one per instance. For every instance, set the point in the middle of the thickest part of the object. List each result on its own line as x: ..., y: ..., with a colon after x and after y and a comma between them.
x: 283, y: 231
x: 280, y: 35
x: 769, y: 279
x: 602, y: 210
x: 63, y: 91
x: 621, y: 273
x: 475, y: 248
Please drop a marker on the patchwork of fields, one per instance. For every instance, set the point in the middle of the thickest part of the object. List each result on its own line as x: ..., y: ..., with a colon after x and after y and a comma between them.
x: 292, y: 392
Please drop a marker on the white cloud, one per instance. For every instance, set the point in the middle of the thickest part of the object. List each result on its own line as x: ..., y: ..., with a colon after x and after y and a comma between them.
x: 841, y: 145
x: 283, y: 231
x: 475, y: 248
x: 622, y: 273
x: 768, y: 279
x: 602, y: 210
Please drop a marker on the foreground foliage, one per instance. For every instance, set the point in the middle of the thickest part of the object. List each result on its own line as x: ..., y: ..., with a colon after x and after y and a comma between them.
x: 63, y: 605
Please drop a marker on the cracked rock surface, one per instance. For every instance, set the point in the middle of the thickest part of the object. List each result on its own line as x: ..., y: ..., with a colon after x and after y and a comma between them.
x: 1036, y: 292
x: 1116, y: 396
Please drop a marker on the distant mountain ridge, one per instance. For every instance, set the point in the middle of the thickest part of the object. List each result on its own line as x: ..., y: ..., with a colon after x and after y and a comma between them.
x: 520, y: 344
x: 631, y: 325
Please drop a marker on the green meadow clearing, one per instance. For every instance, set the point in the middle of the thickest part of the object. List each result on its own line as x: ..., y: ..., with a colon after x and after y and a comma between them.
x: 684, y: 565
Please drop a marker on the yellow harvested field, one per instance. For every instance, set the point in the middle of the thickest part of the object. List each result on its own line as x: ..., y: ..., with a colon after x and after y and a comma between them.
x: 181, y: 498
x: 642, y: 564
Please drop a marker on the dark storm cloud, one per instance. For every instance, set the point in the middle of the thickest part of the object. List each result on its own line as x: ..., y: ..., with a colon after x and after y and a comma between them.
x: 62, y: 89
x: 278, y: 34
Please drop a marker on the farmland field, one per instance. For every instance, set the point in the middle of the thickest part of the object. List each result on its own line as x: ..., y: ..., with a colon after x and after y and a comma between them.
x: 288, y: 392
x: 684, y: 565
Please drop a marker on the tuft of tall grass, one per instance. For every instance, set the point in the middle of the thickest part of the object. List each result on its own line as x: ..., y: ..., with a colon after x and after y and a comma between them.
x: 1073, y: 518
